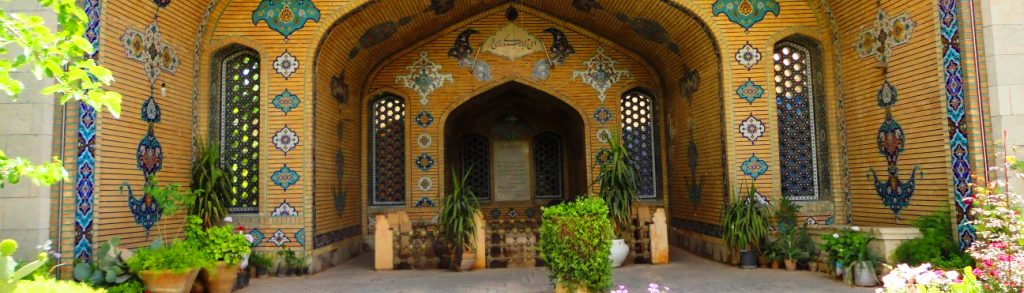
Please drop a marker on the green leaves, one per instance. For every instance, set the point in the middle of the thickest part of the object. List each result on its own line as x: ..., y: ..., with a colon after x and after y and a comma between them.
x: 575, y: 244
x: 457, y: 216
x: 746, y: 221
x: 617, y: 179
x: 211, y: 182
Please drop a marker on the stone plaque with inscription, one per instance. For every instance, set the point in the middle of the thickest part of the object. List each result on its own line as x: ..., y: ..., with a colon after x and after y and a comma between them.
x: 512, y: 180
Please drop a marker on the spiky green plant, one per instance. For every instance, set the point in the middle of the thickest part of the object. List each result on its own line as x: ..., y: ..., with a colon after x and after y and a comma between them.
x: 457, y: 222
x: 618, y: 187
x: 746, y: 221
x: 212, y: 184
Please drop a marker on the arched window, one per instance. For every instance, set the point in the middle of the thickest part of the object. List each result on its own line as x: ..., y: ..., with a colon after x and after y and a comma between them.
x: 638, y: 135
x: 547, y: 161
x: 803, y: 152
x: 476, y: 156
x: 387, y: 150
x: 236, y: 123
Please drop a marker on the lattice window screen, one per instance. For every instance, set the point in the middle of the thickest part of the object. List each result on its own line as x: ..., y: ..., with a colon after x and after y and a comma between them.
x: 547, y: 159
x: 240, y: 127
x: 476, y: 157
x: 387, y: 147
x: 797, y: 137
x: 638, y: 136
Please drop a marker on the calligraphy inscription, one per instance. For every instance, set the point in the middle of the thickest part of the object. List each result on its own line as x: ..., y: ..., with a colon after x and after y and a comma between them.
x: 512, y: 179
x: 512, y: 42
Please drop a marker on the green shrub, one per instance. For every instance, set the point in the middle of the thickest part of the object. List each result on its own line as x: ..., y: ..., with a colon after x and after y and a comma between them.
x: 54, y: 286
x: 936, y: 245
x: 181, y: 256
x: 132, y: 286
x: 575, y: 242
x: 221, y: 243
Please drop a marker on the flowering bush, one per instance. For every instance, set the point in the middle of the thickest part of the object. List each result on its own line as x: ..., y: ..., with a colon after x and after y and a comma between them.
x: 653, y: 288
x: 847, y: 246
x: 922, y: 279
x: 999, y: 250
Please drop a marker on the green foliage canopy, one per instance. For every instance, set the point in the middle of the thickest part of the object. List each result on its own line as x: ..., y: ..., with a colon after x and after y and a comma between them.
x: 575, y: 244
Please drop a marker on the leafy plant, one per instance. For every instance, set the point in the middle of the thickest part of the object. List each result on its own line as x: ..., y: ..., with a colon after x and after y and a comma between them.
x: 936, y: 245
x: 178, y: 257
x: 219, y: 242
x: 211, y: 183
x: 786, y: 212
x: 290, y: 259
x: 457, y: 217
x: 132, y: 286
x: 746, y: 221
x: 10, y: 278
x: 575, y: 246
x: 60, y: 56
x: 261, y: 260
x: 618, y: 187
x: 108, y: 269
x: 45, y: 285
x: 850, y: 248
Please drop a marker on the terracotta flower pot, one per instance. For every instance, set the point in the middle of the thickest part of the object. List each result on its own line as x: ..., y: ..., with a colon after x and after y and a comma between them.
x: 813, y: 266
x: 790, y: 265
x: 559, y: 288
x: 762, y: 261
x: 468, y: 259
x: 222, y: 279
x: 775, y: 264
x: 168, y: 281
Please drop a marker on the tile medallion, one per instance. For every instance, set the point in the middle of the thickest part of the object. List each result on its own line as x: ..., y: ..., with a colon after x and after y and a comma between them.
x: 284, y: 210
x: 649, y: 30
x: 481, y: 70
x: 603, y: 135
x: 300, y: 237
x: 462, y: 49
x: 541, y: 69
x: 424, y: 162
x: 752, y: 128
x: 149, y: 48
x: 424, y: 119
x: 424, y: 140
x: 560, y: 47
x: 754, y: 167
x: 339, y: 89
x: 424, y: 77
x: 887, y: 33
x: 425, y: 184
x: 378, y: 34
x: 601, y: 73
x: 286, y: 64
x: 602, y: 115
x: 893, y: 191
x: 279, y: 238
x: 285, y: 177
x: 748, y: 56
x: 512, y: 213
x: 257, y: 237
x: 285, y: 16
x: 425, y: 202
x: 285, y: 139
x: 746, y: 13
x: 286, y: 101
x: 750, y: 91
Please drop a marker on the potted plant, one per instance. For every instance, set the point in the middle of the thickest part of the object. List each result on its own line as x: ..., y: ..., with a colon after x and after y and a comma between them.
x: 290, y: 263
x: 746, y: 224
x: 226, y: 249
x: 212, y: 184
x: 618, y: 189
x: 862, y: 261
x: 169, y: 268
x: 457, y: 222
x: 262, y: 264
x: 574, y: 245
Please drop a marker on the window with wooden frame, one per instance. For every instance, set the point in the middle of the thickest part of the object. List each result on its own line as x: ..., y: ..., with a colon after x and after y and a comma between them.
x: 235, y: 122
x: 803, y: 148
x: 387, y: 150
x: 639, y: 138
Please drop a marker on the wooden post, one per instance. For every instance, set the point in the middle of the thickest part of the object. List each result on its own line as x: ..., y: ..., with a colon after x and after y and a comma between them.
x: 481, y: 242
x: 659, y: 237
x: 384, y: 245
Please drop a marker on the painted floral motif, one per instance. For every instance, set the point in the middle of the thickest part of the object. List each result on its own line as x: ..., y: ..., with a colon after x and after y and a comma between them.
x: 339, y: 200
x: 286, y: 177
x: 424, y: 77
x: 495, y: 213
x: 424, y: 202
x: 285, y: 139
x: 162, y: 3
x: 602, y: 156
x: 462, y: 50
x: 748, y: 56
x: 603, y: 135
x: 149, y: 155
x: 560, y: 47
x: 512, y: 213
x: 531, y: 212
x: 149, y: 48
x: 339, y: 89
x: 586, y: 5
x: 541, y: 69
x: 144, y: 209
x: 279, y: 238
x: 424, y: 119
x: 425, y: 184
x: 424, y: 140
x: 300, y: 237
x: 694, y: 186
x: 257, y: 237
x: 895, y: 193
x: 689, y: 84
x: 601, y: 73
x: 649, y: 30
x: 377, y: 34
x: 746, y: 13
x: 750, y: 91
x: 887, y: 33
x: 284, y: 210
x: 424, y: 162
x: 754, y: 167
x: 286, y: 16
x: 440, y: 7
x: 286, y: 64
x: 602, y: 115
x: 285, y: 101
x: 752, y: 129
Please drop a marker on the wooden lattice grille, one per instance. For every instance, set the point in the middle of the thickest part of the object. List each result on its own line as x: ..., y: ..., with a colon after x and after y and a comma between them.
x: 638, y: 137
x: 387, y: 146
x: 547, y: 159
x: 240, y: 127
x: 798, y: 162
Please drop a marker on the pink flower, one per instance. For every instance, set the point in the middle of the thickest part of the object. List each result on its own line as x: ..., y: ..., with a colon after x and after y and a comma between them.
x: 1004, y: 257
x: 999, y: 245
x: 988, y: 263
x: 968, y: 200
x: 977, y: 271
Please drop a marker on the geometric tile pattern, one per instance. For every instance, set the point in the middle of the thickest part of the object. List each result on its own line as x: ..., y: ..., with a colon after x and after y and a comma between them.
x: 286, y: 16
x: 891, y: 141
x: 424, y: 162
x: 279, y: 238
x: 286, y: 101
x: 424, y: 77
x: 748, y: 56
x: 638, y: 137
x: 149, y: 48
x: 300, y: 237
x: 794, y: 99
x: 746, y: 13
x: 955, y: 112
x: 601, y: 73
x: 754, y: 167
x: 86, y: 164
x: 387, y: 150
x: 257, y: 237
x: 886, y: 33
x: 750, y: 91
x: 284, y: 210
x: 285, y: 177
x: 286, y: 64
x: 335, y: 236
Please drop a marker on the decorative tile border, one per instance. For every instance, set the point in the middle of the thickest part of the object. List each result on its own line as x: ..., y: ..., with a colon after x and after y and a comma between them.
x: 332, y: 237
x: 86, y: 164
x: 708, y: 229
x: 956, y: 112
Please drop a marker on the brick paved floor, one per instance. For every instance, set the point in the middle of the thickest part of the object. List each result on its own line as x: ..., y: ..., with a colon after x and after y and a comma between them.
x: 686, y: 273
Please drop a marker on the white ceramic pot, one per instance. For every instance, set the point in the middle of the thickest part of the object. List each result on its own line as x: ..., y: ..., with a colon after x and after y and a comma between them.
x: 619, y: 252
x: 864, y: 275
